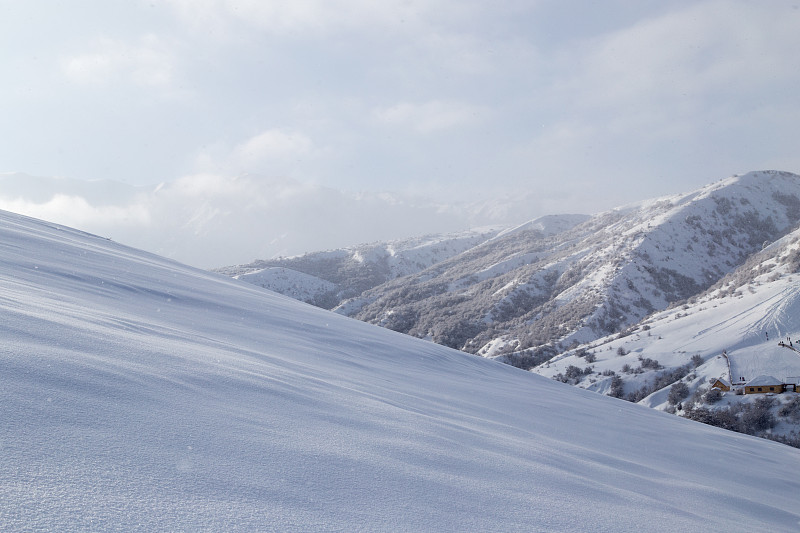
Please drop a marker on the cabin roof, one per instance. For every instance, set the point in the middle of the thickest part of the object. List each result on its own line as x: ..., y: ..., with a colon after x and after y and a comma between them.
x: 761, y: 381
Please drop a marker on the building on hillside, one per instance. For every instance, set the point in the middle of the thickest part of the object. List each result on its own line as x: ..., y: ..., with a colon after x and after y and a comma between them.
x: 721, y: 384
x: 792, y: 384
x: 763, y: 385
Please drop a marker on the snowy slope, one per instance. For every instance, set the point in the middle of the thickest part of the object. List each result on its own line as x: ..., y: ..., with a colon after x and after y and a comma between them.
x: 734, y: 325
x: 547, y: 225
x: 735, y: 328
x: 142, y: 395
x: 289, y: 282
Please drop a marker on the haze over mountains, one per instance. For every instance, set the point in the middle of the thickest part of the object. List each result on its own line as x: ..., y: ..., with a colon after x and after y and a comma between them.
x: 212, y: 221
x: 141, y: 394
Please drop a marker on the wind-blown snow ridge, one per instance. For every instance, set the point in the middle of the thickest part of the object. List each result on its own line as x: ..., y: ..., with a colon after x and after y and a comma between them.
x: 140, y: 394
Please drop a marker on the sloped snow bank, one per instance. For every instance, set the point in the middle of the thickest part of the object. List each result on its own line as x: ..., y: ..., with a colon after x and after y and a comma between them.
x: 142, y: 395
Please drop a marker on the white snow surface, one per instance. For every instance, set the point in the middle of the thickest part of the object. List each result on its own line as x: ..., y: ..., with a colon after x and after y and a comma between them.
x: 288, y: 282
x: 139, y: 394
x: 547, y: 225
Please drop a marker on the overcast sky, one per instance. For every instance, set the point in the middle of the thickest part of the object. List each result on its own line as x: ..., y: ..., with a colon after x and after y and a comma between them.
x: 575, y: 106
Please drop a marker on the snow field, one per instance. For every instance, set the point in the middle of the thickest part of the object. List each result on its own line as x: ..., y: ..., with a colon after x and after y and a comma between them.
x: 141, y: 395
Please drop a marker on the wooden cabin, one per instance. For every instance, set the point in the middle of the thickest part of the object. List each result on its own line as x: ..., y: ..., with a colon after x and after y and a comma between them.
x: 763, y: 385
x: 721, y: 384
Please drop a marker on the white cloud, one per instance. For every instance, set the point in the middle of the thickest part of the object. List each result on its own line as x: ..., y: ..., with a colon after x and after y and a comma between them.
x: 149, y: 62
x: 273, y: 152
x: 431, y: 116
x: 698, y: 90
x: 273, y: 144
x: 77, y: 212
x: 213, y: 220
x: 709, y: 49
x: 452, y: 95
x: 306, y: 17
x: 206, y: 185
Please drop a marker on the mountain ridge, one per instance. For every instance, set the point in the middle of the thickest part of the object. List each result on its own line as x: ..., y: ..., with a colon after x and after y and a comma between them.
x: 327, y: 278
x: 591, y: 275
x: 592, y: 279
x: 543, y: 301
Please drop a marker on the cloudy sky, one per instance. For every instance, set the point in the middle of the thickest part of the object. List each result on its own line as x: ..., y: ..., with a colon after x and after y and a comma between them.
x: 562, y: 106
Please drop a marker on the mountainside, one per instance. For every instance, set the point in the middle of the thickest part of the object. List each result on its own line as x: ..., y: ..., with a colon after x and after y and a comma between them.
x: 325, y: 279
x: 140, y: 394
x: 527, y: 296
x: 739, y: 329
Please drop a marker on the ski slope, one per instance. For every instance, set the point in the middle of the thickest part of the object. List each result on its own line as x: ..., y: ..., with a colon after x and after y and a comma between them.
x: 139, y: 394
x: 746, y: 325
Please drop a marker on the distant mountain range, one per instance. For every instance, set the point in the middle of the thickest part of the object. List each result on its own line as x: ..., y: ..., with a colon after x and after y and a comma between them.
x: 328, y: 278
x: 545, y: 294
x: 552, y: 282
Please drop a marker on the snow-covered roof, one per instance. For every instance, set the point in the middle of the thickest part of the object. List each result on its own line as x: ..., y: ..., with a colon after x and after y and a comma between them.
x: 761, y: 381
x: 721, y: 380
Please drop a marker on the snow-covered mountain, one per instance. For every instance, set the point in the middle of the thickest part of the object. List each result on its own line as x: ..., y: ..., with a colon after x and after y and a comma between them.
x: 139, y: 394
x: 327, y: 278
x: 556, y: 295
x: 741, y: 328
x: 527, y: 295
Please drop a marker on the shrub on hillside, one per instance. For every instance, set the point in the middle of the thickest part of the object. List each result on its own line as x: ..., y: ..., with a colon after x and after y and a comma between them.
x: 713, y: 396
x: 753, y: 419
x: 677, y: 392
x: 617, y: 387
x: 660, y: 381
x: 652, y: 364
x: 791, y: 409
x: 759, y: 417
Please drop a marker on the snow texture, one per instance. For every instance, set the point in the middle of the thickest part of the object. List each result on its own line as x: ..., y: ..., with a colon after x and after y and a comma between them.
x: 139, y: 394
